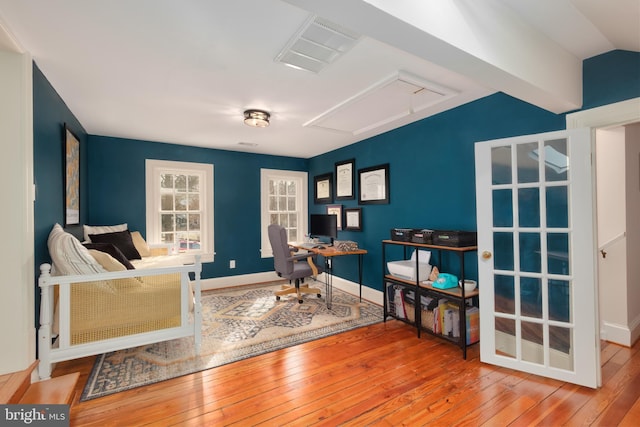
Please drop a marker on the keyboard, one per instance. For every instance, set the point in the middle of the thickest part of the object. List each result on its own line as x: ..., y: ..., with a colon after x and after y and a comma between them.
x: 307, y: 245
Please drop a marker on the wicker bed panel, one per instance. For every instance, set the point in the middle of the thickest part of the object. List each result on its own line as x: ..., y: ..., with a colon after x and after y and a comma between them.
x: 121, y: 307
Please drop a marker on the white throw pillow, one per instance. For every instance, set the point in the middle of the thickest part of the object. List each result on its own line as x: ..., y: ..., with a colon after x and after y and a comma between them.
x: 108, y: 262
x: 69, y: 256
x: 140, y: 244
x: 101, y: 229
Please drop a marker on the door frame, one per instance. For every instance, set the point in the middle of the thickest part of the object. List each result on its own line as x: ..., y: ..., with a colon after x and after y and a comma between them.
x: 616, y: 114
x: 610, y: 115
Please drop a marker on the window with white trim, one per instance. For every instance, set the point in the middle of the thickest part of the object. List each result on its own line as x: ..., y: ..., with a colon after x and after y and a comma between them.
x: 180, y: 206
x: 284, y: 201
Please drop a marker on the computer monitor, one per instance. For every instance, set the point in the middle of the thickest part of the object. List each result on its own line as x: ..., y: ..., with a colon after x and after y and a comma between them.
x: 323, y: 225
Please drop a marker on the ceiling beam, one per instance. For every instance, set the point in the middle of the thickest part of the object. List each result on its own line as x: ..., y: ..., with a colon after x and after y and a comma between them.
x: 484, y: 40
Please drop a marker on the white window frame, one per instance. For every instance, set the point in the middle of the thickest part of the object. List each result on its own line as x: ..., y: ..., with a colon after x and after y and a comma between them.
x: 153, y: 170
x: 303, y: 201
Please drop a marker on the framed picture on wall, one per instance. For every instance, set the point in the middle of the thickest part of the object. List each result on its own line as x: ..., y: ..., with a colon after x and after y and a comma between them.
x: 71, y: 178
x: 345, y: 177
x: 373, y: 185
x: 323, y: 188
x: 337, y: 211
x: 353, y: 219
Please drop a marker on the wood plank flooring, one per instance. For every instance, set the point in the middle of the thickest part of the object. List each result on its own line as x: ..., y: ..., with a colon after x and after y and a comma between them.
x: 381, y: 375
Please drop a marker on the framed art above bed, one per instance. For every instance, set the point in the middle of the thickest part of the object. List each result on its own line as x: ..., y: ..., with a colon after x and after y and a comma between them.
x: 71, y: 178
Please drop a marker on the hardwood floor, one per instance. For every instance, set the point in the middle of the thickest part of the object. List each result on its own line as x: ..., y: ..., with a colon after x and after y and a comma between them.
x: 380, y: 375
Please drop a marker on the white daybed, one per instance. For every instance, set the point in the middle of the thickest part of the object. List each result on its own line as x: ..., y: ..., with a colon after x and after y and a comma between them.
x: 89, y: 305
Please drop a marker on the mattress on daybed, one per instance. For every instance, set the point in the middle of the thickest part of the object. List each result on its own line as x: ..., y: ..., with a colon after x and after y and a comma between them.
x: 159, y: 261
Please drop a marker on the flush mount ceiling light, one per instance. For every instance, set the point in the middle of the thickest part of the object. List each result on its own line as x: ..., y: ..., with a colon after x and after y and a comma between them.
x: 256, y: 118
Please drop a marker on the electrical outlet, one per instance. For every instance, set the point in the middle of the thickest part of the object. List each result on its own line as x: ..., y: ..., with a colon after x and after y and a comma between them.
x: 232, y: 263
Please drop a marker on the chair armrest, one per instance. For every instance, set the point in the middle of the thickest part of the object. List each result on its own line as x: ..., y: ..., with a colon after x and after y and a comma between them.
x: 301, y: 256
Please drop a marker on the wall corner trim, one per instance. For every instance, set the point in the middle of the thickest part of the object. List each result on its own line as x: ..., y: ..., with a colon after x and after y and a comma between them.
x: 616, y: 114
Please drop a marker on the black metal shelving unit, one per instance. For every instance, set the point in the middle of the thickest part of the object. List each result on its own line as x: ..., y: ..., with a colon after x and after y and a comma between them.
x: 456, y: 295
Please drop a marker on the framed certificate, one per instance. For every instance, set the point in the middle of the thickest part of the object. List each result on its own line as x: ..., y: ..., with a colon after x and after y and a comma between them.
x: 373, y: 185
x: 337, y: 211
x: 345, y: 174
x: 353, y: 219
x: 322, y: 185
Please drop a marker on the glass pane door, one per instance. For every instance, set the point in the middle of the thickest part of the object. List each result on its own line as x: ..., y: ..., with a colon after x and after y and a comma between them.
x: 535, y: 225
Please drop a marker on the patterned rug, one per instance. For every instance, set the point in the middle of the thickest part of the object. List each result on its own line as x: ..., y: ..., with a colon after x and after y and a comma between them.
x: 238, y: 323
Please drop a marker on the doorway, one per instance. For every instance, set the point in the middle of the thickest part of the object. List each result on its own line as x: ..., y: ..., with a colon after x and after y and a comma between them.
x: 493, y: 351
x: 610, y: 117
x: 618, y: 207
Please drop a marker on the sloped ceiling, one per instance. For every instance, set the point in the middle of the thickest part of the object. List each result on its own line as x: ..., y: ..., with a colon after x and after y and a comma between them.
x: 184, y: 72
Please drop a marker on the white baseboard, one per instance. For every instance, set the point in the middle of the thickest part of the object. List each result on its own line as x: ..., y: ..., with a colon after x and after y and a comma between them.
x: 619, y: 334
x: 368, y: 293
x: 243, y: 279
x: 622, y: 334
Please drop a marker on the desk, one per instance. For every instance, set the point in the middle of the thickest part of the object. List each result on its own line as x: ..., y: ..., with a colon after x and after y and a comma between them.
x: 330, y: 252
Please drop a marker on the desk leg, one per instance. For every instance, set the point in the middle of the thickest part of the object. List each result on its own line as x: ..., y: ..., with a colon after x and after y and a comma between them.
x: 328, y: 280
x: 360, y: 275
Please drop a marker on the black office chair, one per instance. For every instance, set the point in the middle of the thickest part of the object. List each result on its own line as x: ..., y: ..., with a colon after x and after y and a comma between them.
x: 293, y: 267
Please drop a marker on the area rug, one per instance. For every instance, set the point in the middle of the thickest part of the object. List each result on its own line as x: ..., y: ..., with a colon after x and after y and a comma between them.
x: 238, y: 323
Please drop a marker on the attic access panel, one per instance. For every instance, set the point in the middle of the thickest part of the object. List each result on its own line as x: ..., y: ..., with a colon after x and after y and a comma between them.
x: 382, y: 103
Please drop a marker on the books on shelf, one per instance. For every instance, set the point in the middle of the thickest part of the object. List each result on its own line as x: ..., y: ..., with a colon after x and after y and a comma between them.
x: 449, y: 319
x: 439, y: 315
x: 446, y: 321
x: 439, y: 326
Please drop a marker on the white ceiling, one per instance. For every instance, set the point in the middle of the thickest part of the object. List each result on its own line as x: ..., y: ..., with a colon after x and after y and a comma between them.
x: 184, y: 71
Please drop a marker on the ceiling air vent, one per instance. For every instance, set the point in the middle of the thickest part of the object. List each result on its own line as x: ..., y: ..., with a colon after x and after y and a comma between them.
x: 317, y: 44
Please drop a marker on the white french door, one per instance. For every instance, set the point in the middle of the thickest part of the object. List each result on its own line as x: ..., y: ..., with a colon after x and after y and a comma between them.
x: 537, y: 254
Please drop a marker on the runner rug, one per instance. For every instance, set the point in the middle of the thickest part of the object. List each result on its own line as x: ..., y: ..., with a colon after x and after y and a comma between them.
x: 238, y: 323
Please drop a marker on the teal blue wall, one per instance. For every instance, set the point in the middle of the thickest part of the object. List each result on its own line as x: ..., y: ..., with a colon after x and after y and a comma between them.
x: 431, y: 170
x: 117, y: 181
x: 611, y: 77
x: 432, y: 161
x: 50, y: 113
